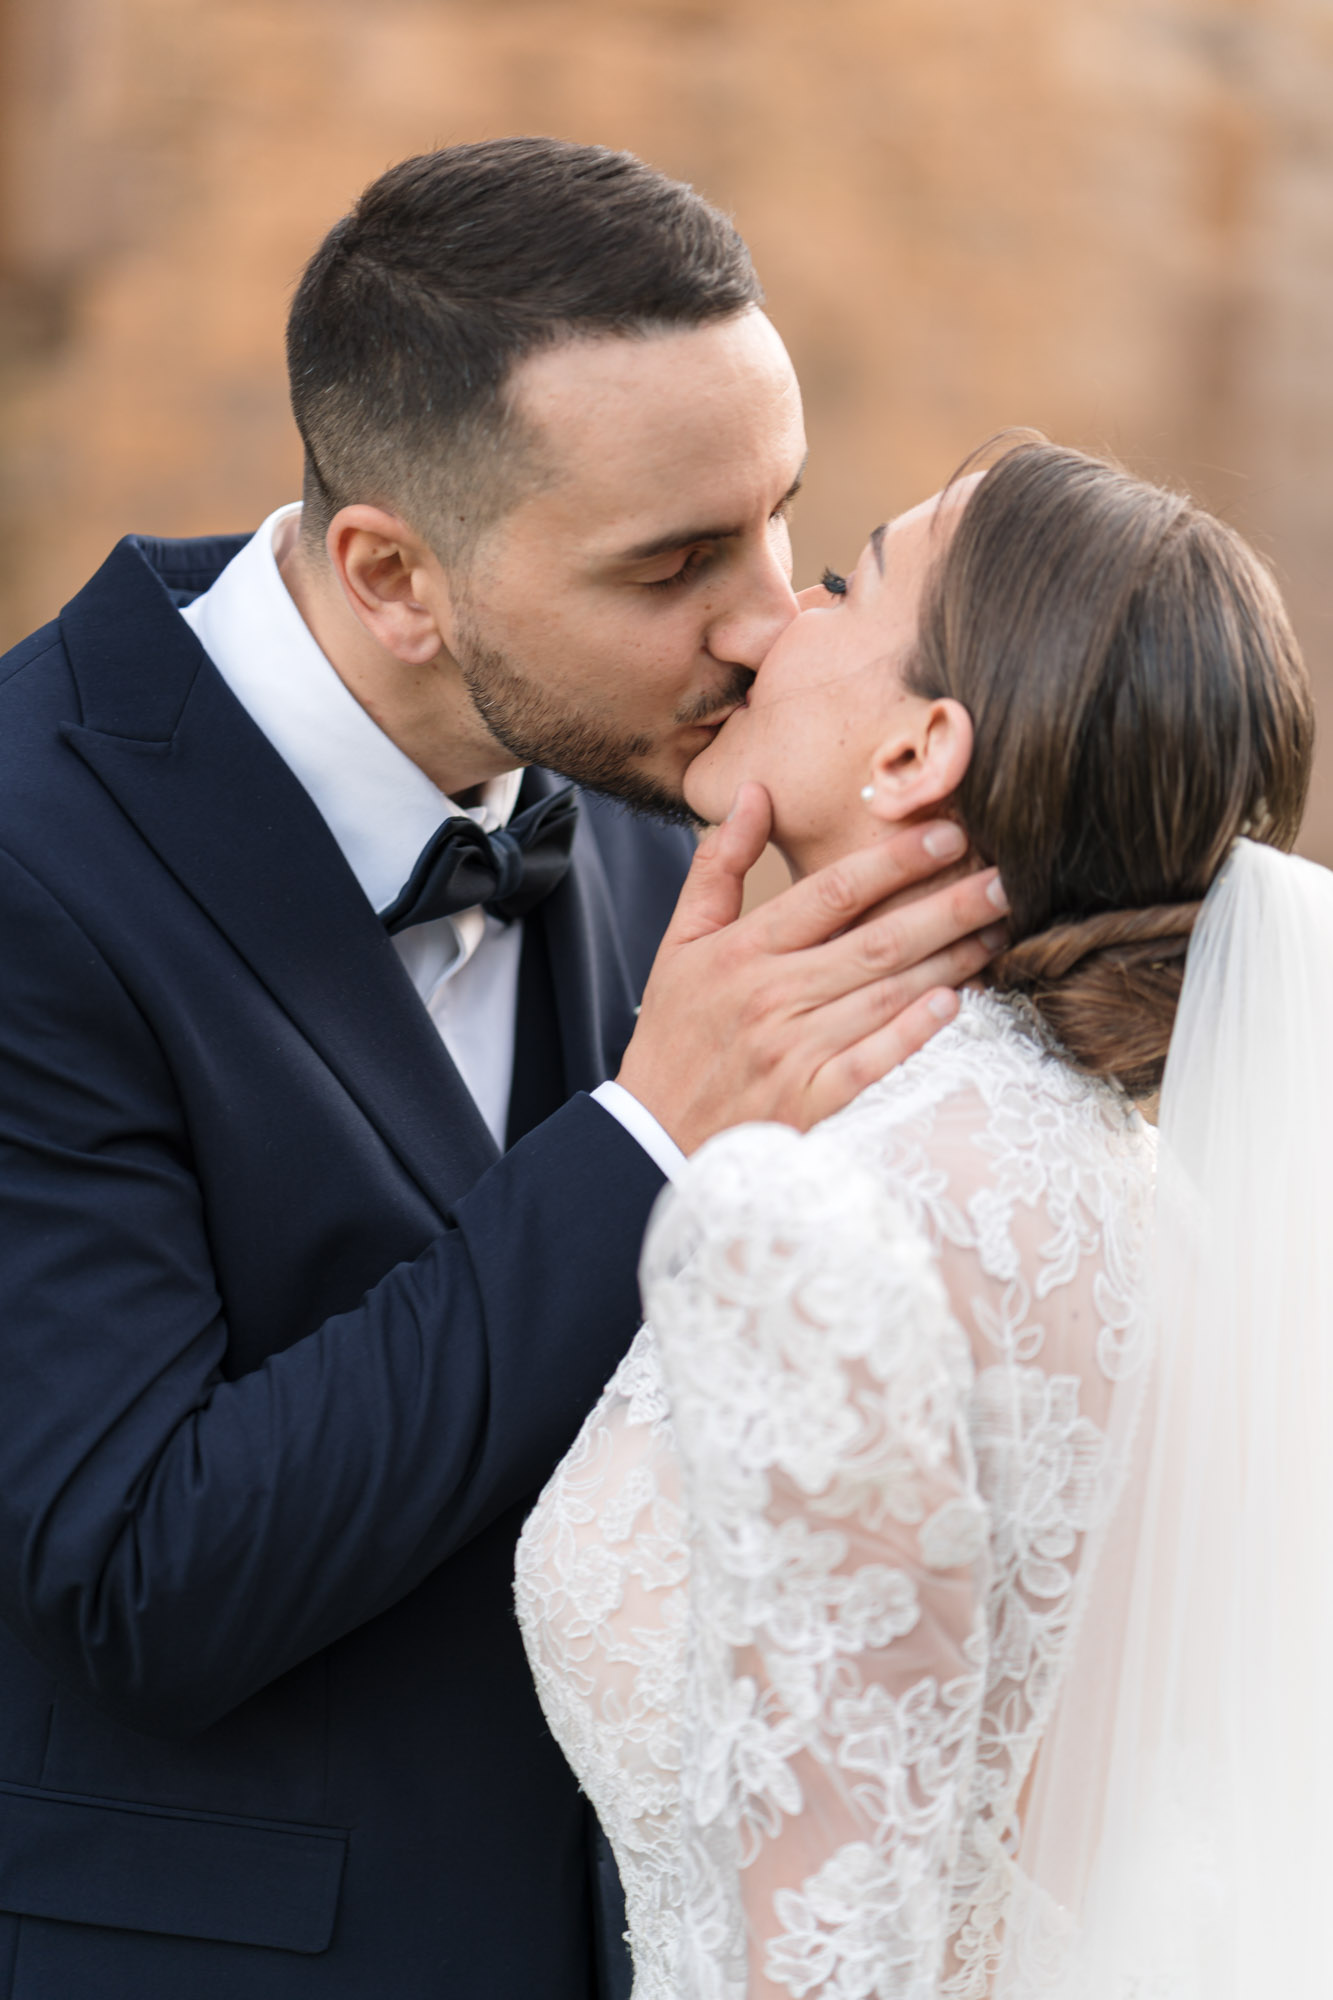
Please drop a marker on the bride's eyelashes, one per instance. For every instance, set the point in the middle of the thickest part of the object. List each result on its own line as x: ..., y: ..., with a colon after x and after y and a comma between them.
x: 835, y: 585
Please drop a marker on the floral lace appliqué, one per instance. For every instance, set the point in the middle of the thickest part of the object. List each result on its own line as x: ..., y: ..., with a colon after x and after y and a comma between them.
x: 799, y: 1599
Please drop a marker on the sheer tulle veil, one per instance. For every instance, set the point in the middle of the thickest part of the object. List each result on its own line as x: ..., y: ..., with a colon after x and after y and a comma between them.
x: 1178, y: 1841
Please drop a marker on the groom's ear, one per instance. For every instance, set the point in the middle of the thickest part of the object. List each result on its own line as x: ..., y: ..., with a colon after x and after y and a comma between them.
x: 393, y: 581
x: 921, y: 759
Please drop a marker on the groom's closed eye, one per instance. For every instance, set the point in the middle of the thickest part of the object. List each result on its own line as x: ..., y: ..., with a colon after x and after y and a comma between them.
x: 697, y: 545
x: 699, y: 558
x: 696, y: 560
x: 679, y: 541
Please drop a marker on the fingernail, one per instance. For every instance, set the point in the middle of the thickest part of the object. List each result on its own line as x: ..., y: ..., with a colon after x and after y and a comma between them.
x: 994, y: 937
x: 943, y: 842
x: 943, y: 1005
x: 731, y: 814
x: 995, y: 894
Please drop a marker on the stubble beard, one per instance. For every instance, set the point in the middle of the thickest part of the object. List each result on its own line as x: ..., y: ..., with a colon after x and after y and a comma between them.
x: 535, y: 728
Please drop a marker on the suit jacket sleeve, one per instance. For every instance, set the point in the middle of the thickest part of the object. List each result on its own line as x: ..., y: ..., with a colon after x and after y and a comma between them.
x: 173, y: 1539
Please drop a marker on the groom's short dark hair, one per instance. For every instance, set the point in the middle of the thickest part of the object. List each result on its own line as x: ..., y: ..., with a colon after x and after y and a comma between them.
x: 454, y: 267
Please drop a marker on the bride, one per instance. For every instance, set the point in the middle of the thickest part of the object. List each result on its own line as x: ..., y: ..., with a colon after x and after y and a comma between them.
x: 936, y: 1602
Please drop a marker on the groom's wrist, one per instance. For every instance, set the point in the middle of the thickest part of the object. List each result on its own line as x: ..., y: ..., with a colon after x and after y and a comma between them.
x: 641, y: 1125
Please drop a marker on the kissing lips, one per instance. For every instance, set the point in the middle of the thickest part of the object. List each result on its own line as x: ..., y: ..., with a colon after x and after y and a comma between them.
x: 714, y: 709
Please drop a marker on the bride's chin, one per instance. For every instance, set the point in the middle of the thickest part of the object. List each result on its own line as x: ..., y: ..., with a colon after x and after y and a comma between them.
x: 703, y: 790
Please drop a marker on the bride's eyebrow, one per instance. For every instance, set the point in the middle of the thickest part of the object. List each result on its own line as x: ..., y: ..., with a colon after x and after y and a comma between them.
x: 877, y: 544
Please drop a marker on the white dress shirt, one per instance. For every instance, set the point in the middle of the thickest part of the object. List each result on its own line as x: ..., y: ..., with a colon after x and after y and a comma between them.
x: 381, y: 808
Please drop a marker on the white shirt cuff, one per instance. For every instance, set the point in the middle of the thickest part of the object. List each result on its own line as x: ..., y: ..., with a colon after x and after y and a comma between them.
x: 641, y: 1125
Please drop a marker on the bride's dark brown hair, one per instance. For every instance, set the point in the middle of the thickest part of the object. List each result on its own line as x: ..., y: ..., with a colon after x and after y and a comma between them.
x: 1138, y: 700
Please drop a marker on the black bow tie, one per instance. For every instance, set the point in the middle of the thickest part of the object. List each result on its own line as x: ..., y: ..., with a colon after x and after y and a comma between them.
x: 508, y: 872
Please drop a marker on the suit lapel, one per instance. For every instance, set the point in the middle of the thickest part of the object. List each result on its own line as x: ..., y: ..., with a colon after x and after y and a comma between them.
x: 219, y: 807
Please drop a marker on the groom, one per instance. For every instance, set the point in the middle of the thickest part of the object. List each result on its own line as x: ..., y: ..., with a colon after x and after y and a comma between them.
x: 320, y: 1214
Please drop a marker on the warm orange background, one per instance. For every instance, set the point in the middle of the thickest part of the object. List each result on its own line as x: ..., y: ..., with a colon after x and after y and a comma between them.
x: 1109, y: 218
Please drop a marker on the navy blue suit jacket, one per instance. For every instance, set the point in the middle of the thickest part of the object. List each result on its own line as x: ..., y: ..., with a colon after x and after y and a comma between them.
x: 287, y: 1348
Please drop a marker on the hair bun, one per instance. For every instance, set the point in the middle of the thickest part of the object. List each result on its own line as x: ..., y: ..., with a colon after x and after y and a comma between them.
x: 1107, y: 986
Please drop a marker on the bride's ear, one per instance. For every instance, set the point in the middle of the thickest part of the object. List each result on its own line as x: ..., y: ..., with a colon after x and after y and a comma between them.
x: 921, y: 760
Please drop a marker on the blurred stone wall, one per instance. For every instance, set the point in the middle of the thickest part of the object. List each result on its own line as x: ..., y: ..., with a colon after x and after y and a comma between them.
x: 1109, y: 218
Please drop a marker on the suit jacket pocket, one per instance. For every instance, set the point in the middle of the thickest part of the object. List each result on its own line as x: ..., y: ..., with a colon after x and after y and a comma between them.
x: 151, y: 1868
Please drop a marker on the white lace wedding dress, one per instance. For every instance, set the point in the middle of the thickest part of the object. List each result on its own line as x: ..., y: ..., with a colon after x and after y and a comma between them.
x: 799, y: 1599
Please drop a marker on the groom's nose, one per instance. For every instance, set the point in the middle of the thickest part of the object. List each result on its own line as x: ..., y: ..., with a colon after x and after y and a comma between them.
x: 759, y: 607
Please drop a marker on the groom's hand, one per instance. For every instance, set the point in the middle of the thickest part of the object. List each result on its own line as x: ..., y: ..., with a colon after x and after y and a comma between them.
x: 788, y: 1012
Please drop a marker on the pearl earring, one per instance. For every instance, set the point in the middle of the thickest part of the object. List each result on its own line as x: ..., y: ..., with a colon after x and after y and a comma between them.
x: 867, y: 793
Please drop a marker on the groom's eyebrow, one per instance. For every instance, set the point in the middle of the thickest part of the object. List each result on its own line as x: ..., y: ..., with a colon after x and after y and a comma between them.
x: 663, y: 545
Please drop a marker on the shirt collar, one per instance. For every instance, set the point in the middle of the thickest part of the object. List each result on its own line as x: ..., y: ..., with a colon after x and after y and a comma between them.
x: 380, y: 807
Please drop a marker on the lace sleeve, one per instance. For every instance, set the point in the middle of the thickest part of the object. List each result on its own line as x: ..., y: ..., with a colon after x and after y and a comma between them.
x: 837, y: 1628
